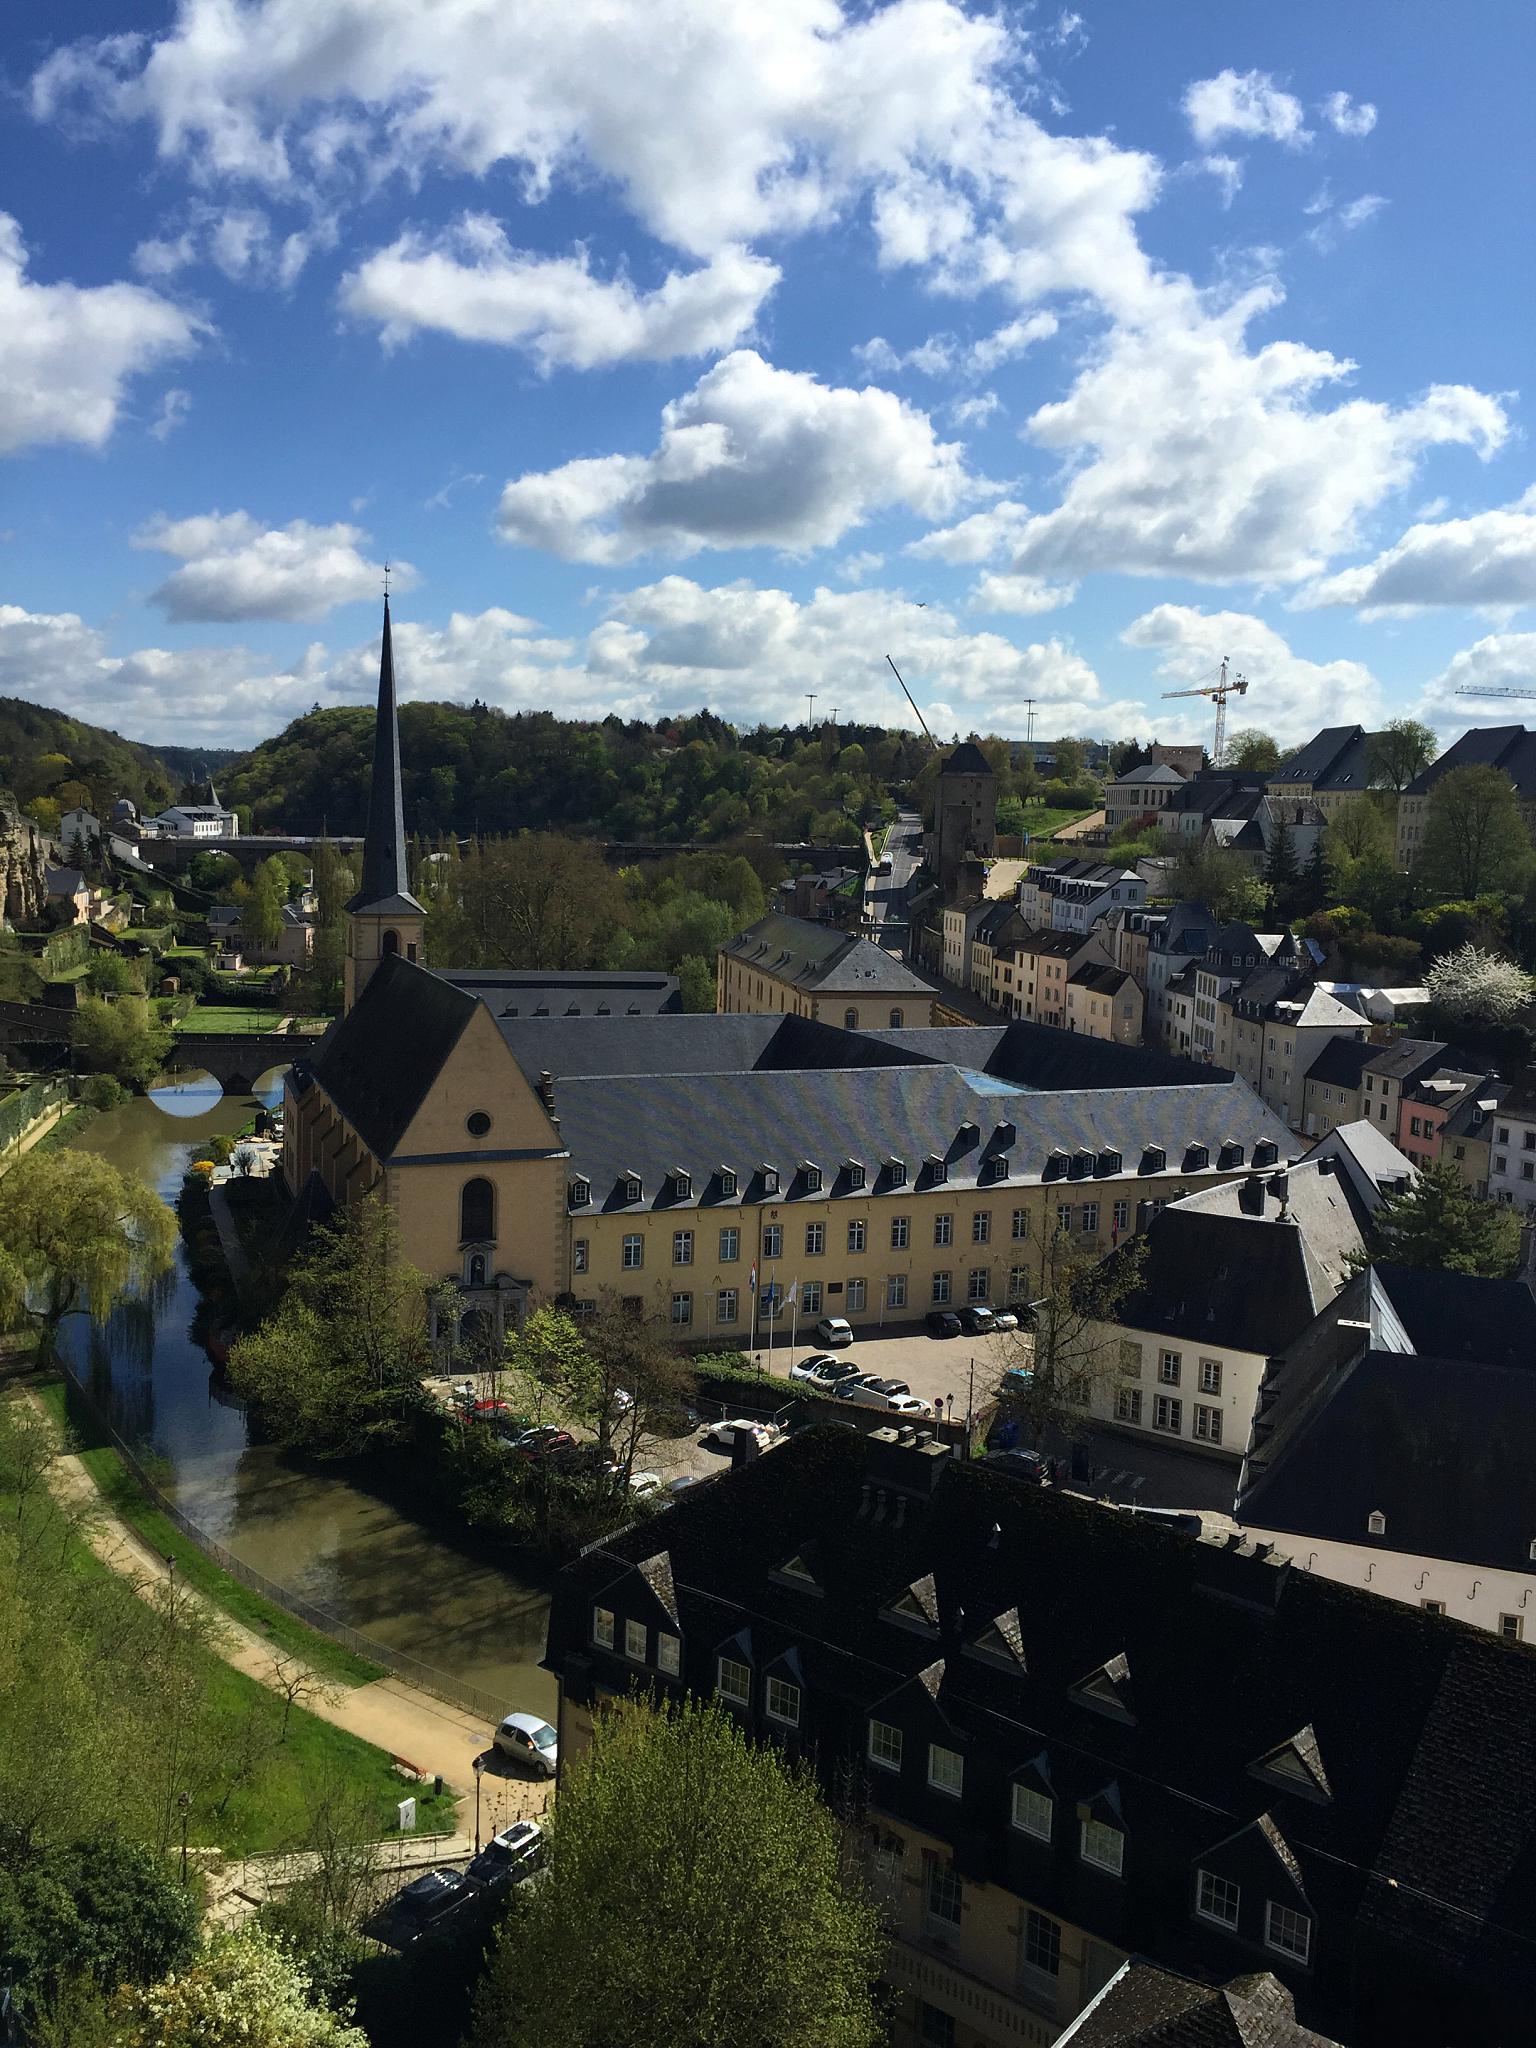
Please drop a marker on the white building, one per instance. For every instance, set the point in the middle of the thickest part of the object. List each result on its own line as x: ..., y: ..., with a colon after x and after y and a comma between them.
x: 197, y: 821
x: 1512, y: 1150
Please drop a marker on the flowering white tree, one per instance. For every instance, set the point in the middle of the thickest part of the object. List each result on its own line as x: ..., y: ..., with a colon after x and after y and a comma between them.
x: 1477, y: 987
x: 244, y: 1991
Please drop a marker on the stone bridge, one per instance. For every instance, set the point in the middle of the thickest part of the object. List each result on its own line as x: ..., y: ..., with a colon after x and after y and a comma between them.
x: 238, y: 1059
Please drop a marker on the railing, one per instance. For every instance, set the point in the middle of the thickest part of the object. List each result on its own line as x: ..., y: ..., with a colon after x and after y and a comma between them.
x: 442, y: 1685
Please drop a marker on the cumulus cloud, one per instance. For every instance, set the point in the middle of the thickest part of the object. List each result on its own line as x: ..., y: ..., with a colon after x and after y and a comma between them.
x: 1290, y: 696
x: 1487, y: 560
x: 1502, y: 661
x: 68, y: 352
x: 1022, y: 594
x: 234, y: 568
x: 238, y: 240
x: 1334, y: 222
x: 471, y: 283
x: 1188, y: 453
x: 978, y: 538
x: 1243, y: 103
x: 975, y: 411
x: 1228, y: 173
x: 753, y: 456
x: 1349, y: 117
x: 943, y: 355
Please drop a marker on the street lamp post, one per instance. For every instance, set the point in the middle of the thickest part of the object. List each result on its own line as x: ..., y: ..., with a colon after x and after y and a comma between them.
x: 479, y: 1772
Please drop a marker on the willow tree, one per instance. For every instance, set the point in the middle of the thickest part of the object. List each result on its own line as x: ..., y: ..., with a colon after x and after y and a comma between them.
x: 77, y: 1237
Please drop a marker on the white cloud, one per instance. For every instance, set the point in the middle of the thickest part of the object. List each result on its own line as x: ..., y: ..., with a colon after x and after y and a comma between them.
x: 174, y: 408
x: 975, y: 412
x: 1289, y: 696
x: 1487, y: 560
x: 68, y: 351
x: 942, y: 355
x: 1349, y: 117
x: 1187, y: 453
x: 752, y: 456
x: 1228, y: 173
x: 1007, y: 342
x: 1502, y: 661
x: 978, y: 538
x: 1334, y: 222
x: 238, y: 240
x: 857, y: 568
x: 470, y: 282
x: 1022, y: 594
x: 233, y: 568
x: 1243, y: 103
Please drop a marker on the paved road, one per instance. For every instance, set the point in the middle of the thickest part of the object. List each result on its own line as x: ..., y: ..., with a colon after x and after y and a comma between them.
x: 886, y: 898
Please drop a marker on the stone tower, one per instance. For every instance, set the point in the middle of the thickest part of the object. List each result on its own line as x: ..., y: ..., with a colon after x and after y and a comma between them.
x: 964, y: 816
x: 383, y: 917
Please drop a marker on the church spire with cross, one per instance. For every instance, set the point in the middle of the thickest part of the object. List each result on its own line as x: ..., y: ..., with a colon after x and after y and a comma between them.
x: 383, y: 918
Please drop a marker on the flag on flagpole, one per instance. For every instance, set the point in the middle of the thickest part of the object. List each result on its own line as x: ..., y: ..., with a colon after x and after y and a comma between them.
x: 793, y: 1295
x: 752, y: 1279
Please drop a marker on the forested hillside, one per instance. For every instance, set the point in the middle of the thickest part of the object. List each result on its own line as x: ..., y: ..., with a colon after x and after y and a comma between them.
x: 473, y: 769
x: 49, y: 759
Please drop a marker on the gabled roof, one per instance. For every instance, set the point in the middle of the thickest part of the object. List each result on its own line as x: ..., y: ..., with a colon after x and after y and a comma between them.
x: 966, y: 759
x: 1510, y: 747
x: 1406, y: 1058
x: 1162, y: 773
x: 378, y: 1063
x: 1335, y: 759
x: 1342, y: 1062
x: 1144, y: 2006
x: 815, y: 956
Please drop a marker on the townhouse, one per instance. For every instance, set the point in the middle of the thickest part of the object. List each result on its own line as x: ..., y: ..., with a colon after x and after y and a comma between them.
x: 1140, y: 796
x: 787, y: 965
x: 1512, y: 1147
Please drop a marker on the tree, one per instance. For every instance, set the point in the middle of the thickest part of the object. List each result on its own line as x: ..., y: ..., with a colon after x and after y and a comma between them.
x: 1397, y: 754
x: 77, y: 1236
x: 1474, y: 838
x: 1471, y: 986
x: 264, y: 906
x: 541, y: 901
x: 1356, y: 830
x: 1251, y: 749
x: 1436, y: 1223
x: 1210, y: 874
x: 338, y: 1366
x: 244, y: 1991
x: 696, y: 982
x: 1280, y: 864
x: 672, y: 1830
x: 1061, y: 1351
x: 1071, y: 761
x: 121, y: 1037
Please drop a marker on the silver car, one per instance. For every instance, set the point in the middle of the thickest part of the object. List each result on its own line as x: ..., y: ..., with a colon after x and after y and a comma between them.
x: 530, y: 1742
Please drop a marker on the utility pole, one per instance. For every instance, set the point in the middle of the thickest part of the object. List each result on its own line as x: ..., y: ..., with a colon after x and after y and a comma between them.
x: 1029, y: 721
x: 810, y: 716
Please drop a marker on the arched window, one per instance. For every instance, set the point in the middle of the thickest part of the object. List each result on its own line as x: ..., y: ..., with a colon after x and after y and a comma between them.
x: 477, y: 1212
x: 390, y: 943
x: 850, y: 1020
x: 895, y: 1020
x: 476, y: 1269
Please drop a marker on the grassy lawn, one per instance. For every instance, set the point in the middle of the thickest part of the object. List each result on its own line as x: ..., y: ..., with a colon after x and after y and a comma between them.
x: 224, y: 1018
x: 122, y: 1494
x: 1041, y: 820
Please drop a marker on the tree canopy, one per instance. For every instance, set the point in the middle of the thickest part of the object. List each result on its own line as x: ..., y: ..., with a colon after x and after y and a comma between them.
x: 1473, y: 986
x: 1400, y: 751
x: 1474, y: 838
x: 244, y: 1990
x: 1437, y: 1223
x: 76, y: 1236
x: 695, y: 1894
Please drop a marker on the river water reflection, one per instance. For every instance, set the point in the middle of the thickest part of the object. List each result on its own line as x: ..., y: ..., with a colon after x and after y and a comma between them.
x: 313, y: 1531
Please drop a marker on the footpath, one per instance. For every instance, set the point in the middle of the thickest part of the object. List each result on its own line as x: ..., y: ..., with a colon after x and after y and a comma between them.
x: 418, y: 1731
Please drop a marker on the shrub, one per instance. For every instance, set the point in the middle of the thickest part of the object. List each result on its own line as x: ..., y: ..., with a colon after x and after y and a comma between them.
x: 101, y: 1091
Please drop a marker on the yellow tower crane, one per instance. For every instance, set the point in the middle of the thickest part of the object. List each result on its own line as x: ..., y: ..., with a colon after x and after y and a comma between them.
x: 1223, y: 687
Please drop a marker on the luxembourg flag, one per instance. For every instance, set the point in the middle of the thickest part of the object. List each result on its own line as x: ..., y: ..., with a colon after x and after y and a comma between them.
x: 752, y: 1279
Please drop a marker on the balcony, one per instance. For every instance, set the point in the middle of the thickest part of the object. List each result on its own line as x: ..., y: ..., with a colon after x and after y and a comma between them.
x: 998, y: 2015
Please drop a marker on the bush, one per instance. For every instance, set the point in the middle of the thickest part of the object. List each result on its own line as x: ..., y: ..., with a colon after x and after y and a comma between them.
x: 101, y: 1091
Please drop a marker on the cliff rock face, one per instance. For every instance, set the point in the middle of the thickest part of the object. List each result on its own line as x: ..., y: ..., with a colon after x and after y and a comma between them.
x: 23, y: 866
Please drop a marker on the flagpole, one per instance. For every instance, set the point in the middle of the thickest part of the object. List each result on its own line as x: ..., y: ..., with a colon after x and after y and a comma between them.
x: 794, y: 1315
x: 752, y: 1289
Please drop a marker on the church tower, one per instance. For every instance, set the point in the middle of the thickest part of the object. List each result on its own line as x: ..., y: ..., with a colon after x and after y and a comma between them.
x: 383, y: 917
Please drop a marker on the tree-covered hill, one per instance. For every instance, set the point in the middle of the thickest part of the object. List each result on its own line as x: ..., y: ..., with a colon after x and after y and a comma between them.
x: 50, y: 759
x: 474, y: 769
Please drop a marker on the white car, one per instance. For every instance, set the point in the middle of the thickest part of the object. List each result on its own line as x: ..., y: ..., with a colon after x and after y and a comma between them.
x: 812, y: 1368
x: 910, y: 1407
x: 725, y: 1432
x: 529, y: 1740
x: 834, y: 1330
x: 644, y: 1484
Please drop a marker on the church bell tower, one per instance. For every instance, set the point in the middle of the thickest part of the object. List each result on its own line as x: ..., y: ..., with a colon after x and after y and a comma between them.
x: 383, y: 917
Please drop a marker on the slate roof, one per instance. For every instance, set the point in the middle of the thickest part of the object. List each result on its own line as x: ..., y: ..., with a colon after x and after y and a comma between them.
x: 1428, y: 1419
x: 1423, y: 1726
x: 379, y: 1062
x: 966, y: 759
x: 1143, y: 2006
x: 815, y: 956
x: 519, y: 992
x: 1342, y: 1062
x: 1335, y: 759
x: 1406, y: 1058
x: 1162, y: 773
x: 1510, y: 747
x: 65, y: 881
x: 1365, y: 1152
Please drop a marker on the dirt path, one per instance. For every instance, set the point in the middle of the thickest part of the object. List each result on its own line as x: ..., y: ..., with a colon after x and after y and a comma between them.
x: 430, y: 1736
x: 36, y: 1132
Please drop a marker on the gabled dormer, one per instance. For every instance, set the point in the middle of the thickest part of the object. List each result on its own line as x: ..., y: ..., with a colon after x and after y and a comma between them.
x: 916, y: 1608
x: 1107, y: 1691
x: 1154, y: 1159
x: 1249, y: 1884
x: 1000, y: 1642
x: 800, y: 1571
x: 1295, y: 1765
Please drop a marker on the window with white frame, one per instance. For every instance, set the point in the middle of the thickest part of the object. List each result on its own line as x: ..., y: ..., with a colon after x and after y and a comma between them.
x: 1169, y: 1415
x: 1020, y: 1223
x: 682, y: 1310
x: 815, y: 1240
x: 1170, y: 1367
x: 901, y: 1233
x: 946, y: 1769
x: 668, y: 1653
x: 632, y: 1252
x: 896, y: 1290
x: 977, y: 1284
x: 1018, y: 1283
x: 636, y: 1640
x: 885, y: 1745
x: 1090, y: 1222
x: 730, y: 1245
x: 733, y: 1681
x: 602, y: 1627
x: 1122, y: 1216
x: 682, y: 1247
x: 1287, y: 1932
x: 1063, y: 1217
x: 944, y: 1228
x: 783, y: 1702
x: 1034, y: 1811
x: 579, y: 1250
x: 1216, y: 1898
x: 855, y: 1297
x: 810, y: 1297
x: 1207, y: 1424
x: 857, y: 1233
x: 773, y: 1240
x: 981, y: 1227
x: 1210, y: 1375
x: 1128, y: 1404
x: 1102, y: 1846
x: 946, y: 1894
x: 727, y: 1305
x: 941, y: 1288
x: 1042, y: 1944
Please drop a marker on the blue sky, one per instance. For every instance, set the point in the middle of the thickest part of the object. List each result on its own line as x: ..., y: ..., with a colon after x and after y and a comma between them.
x: 697, y: 351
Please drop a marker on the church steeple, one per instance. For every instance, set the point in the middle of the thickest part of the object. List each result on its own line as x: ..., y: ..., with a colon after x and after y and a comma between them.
x: 383, y: 917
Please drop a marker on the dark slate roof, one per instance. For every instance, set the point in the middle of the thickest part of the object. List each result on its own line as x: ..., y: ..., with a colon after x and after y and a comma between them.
x: 819, y: 957
x: 1101, y: 978
x: 379, y: 1062
x: 384, y: 889
x: 1335, y: 759
x: 519, y: 992
x: 1509, y: 747
x: 1406, y: 1058
x: 1422, y: 1726
x: 1434, y: 1434
x: 65, y: 881
x: 1143, y: 2006
x: 966, y: 759
x: 1038, y: 1057
x: 1342, y: 1061
x: 690, y: 1043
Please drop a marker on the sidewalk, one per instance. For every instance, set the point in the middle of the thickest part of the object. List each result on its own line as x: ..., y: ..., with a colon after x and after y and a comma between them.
x: 428, y: 1735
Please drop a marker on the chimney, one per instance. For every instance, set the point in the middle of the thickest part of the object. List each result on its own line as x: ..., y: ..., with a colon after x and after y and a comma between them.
x: 547, y: 1089
x: 1143, y: 1216
x: 1250, y: 1195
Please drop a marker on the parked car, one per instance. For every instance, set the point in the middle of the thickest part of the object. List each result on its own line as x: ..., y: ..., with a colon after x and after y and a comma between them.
x: 543, y: 1441
x: 910, y: 1407
x: 813, y: 1367
x: 434, y: 1893
x: 723, y: 1434
x: 1026, y: 1465
x: 834, y: 1330
x: 870, y: 1392
x: 510, y: 1857
x: 942, y: 1322
x: 976, y: 1319
x: 833, y: 1373
x: 682, y: 1483
x: 1016, y: 1381
x: 1004, y: 1319
x: 644, y: 1484
x: 529, y: 1741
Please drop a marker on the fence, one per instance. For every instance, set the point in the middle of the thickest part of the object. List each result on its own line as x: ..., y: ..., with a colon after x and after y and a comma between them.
x: 441, y: 1685
x: 28, y: 1106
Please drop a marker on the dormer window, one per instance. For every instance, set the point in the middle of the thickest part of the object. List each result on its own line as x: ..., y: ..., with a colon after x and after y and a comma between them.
x: 634, y: 1188
x: 1154, y: 1159
x: 769, y: 1175
x: 936, y: 1170
x: 1082, y: 1165
x: 1108, y: 1161
x: 1056, y: 1165
x: 727, y: 1179
x: 1196, y: 1157
x: 918, y: 1607
x: 1231, y: 1155
x: 1107, y: 1691
x: 1266, y: 1152
x: 854, y: 1169
x: 810, y: 1173
x: 682, y: 1184
x: 995, y: 1168
x: 1295, y: 1765
x: 896, y: 1172
x: 581, y: 1192
x: 1005, y: 1134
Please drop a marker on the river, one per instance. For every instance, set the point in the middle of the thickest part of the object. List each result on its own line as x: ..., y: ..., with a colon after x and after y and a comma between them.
x: 313, y: 1531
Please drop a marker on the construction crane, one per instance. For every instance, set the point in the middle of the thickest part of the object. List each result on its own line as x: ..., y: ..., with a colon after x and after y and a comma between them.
x: 927, y: 735
x: 1471, y: 690
x: 1224, y: 687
